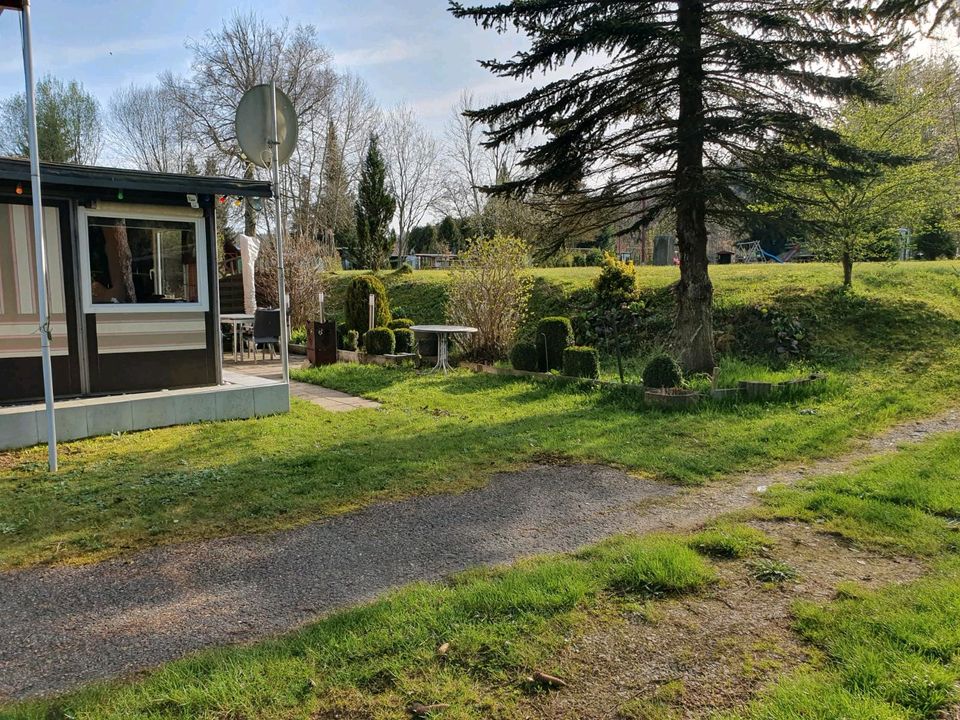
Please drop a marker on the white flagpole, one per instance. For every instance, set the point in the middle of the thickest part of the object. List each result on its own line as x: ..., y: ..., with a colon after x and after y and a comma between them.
x: 38, y: 236
x: 281, y: 280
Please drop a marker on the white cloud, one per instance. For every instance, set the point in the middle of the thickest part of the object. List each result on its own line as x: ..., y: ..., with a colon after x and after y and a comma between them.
x: 394, y: 51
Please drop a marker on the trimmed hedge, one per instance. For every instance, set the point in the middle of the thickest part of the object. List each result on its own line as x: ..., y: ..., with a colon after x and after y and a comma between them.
x: 405, y: 340
x: 357, y: 304
x: 351, y: 340
x: 524, y: 356
x: 581, y: 361
x: 398, y: 323
x: 554, y: 335
x: 380, y: 341
x: 662, y: 371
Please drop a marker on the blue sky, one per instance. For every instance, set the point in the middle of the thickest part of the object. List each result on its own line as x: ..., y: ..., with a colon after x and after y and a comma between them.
x: 407, y: 50
x: 410, y: 51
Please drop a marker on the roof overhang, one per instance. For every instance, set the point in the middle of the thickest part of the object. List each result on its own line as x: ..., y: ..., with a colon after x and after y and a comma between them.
x: 86, y: 176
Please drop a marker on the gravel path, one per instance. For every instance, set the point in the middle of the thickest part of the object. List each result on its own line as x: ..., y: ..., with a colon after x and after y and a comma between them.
x: 64, y: 626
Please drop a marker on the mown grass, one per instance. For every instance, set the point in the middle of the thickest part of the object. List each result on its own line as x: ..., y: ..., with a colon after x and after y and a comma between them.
x: 890, y: 350
x: 884, y: 654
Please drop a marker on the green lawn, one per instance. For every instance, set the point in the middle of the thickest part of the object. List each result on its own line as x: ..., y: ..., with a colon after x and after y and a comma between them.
x: 890, y: 653
x: 890, y: 349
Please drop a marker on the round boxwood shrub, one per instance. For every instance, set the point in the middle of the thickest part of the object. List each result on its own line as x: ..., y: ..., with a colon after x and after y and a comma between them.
x: 380, y: 341
x: 524, y: 356
x: 404, y: 339
x: 581, y: 361
x: 554, y: 335
x: 357, y: 303
x: 351, y: 340
x: 400, y: 323
x: 662, y: 371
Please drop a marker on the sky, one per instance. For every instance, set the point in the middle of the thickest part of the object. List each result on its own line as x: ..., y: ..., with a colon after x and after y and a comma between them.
x: 408, y: 51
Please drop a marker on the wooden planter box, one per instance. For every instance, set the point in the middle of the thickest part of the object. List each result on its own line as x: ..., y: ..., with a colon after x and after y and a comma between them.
x: 725, y: 393
x: 755, y: 389
x: 671, y: 397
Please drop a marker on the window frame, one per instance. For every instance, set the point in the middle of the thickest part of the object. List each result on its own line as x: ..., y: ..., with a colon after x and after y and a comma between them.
x: 174, y: 215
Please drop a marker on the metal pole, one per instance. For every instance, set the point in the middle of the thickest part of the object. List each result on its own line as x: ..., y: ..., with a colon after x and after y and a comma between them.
x: 39, y: 238
x: 281, y: 282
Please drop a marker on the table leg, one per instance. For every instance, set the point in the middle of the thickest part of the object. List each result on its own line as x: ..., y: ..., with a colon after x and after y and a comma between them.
x: 442, y: 364
x: 234, y: 325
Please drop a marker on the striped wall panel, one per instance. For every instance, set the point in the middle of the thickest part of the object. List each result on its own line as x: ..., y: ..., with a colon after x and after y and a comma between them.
x: 150, y: 332
x: 19, y: 319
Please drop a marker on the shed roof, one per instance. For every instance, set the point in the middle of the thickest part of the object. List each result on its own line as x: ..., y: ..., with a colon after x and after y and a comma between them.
x: 64, y: 175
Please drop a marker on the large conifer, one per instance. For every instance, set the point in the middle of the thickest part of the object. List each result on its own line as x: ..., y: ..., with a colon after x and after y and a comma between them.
x: 374, y: 209
x: 690, y: 106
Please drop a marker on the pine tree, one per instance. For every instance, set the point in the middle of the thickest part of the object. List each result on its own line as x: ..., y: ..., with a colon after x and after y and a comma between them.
x: 688, y: 107
x: 449, y: 236
x: 374, y: 211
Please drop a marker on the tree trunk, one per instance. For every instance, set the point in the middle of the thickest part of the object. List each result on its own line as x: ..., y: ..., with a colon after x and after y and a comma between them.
x: 847, y: 261
x: 694, y: 291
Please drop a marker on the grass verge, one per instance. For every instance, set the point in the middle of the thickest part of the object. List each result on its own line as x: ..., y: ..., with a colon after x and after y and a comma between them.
x: 889, y: 348
x: 889, y: 653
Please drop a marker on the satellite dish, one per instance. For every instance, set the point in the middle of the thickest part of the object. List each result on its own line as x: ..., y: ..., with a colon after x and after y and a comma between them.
x: 255, y: 129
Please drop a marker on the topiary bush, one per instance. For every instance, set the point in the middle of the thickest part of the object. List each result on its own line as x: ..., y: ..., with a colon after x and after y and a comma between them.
x: 400, y: 323
x: 380, y: 341
x: 357, y: 303
x: 554, y: 335
x: 351, y: 340
x: 524, y: 356
x: 581, y: 361
x: 404, y: 339
x: 662, y: 371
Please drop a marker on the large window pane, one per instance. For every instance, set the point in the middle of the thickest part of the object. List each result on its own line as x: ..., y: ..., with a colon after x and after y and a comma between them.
x: 142, y: 261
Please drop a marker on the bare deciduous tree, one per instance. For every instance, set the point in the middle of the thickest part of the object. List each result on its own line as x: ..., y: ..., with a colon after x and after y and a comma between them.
x: 412, y: 170
x: 471, y: 166
x: 148, y: 131
x: 247, y: 51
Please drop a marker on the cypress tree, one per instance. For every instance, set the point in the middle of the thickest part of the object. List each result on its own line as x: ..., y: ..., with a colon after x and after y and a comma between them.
x: 689, y: 107
x: 374, y: 211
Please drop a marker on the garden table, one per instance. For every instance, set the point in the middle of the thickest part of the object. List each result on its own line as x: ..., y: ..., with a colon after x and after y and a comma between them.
x: 443, y: 333
x: 238, y: 321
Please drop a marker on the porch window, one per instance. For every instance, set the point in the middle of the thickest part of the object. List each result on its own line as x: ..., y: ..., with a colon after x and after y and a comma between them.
x: 155, y: 263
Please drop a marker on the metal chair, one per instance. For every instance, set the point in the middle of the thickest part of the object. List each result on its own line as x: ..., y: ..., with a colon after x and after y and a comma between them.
x: 266, y: 331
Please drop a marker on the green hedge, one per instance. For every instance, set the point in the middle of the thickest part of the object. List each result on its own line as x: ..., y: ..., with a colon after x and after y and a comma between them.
x: 398, y: 323
x: 357, y: 303
x: 405, y: 340
x: 524, y: 356
x: 581, y: 361
x: 662, y: 371
x: 554, y: 335
x: 380, y: 341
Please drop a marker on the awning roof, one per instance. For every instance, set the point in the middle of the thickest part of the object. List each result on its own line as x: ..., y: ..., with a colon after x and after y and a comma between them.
x: 123, y: 179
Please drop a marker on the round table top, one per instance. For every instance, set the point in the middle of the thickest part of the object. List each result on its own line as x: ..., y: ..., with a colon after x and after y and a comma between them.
x: 443, y: 329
